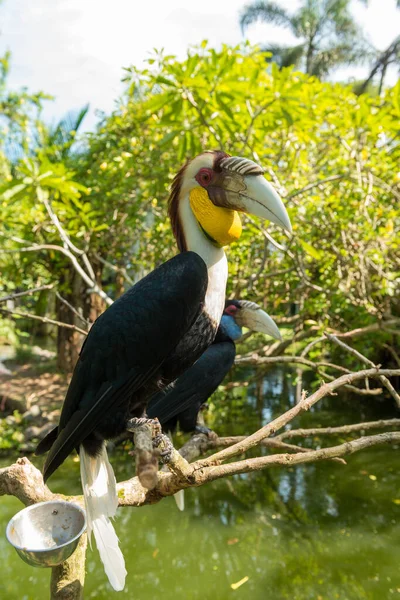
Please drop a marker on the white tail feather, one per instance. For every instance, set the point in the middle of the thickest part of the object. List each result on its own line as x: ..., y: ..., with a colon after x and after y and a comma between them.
x: 101, y: 500
x: 180, y: 499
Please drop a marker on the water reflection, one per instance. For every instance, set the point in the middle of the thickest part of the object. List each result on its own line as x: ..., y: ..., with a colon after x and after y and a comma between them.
x: 318, y: 531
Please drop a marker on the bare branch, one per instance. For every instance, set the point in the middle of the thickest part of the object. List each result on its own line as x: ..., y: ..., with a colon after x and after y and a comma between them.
x: 273, y: 443
x: 89, y: 282
x: 368, y: 329
x: 314, y: 184
x: 354, y: 428
x: 289, y: 460
x: 393, y: 353
x: 42, y: 319
x: 316, y: 366
x: 25, y: 482
x: 114, y: 268
x: 26, y: 292
x: 72, y: 309
x: 304, y: 404
x: 366, y: 361
x: 67, y: 579
x: 63, y: 234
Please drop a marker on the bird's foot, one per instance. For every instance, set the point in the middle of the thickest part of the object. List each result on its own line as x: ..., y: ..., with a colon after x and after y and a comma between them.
x: 205, y: 431
x: 202, y: 429
x: 163, y: 444
x: 138, y: 422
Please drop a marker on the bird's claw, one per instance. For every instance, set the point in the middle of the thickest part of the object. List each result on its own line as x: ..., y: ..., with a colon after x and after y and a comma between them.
x: 203, y: 429
x: 164, y: 445
x: 137, y: 422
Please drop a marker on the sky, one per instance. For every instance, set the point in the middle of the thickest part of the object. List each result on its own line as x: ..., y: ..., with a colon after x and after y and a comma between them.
x: 75, y: 49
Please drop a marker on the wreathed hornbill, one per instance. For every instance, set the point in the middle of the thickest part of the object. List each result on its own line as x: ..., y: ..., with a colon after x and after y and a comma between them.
x: 181, y: 401
x: 156, y: 330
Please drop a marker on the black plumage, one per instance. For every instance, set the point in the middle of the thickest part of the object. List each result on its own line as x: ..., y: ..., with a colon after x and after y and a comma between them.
x: 180, y: 402
x: 147, y: 338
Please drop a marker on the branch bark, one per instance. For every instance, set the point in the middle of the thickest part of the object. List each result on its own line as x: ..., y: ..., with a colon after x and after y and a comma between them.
x: 42, y: 319
x: 25, y: 482
x: 304, y: 404
x: 385, y: 381
x: 26, y: 292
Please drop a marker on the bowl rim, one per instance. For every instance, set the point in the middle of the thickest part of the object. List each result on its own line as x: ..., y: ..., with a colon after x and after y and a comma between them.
x: 44, y: 550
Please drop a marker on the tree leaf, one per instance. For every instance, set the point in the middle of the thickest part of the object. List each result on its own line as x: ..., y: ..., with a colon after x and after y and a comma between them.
x: 309, y: 249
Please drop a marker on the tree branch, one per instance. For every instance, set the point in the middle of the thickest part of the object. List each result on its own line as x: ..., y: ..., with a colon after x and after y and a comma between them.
x: 382, y: 424
x: 26, y: 315
x: 304, y: 404
x: 289, y: 460
x: 91, y: 283
x: 26, y: 292
x: 368, y: 362
x: 72, y: 309
x: 63, y: 234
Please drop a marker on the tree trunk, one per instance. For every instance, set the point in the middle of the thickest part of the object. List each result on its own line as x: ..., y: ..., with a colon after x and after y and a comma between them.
x: 69, y: 341
x: 119, y: 285
x: 382, y: 78
x: 42, y: 309
x: 68, y: 579
x: 94, y: 306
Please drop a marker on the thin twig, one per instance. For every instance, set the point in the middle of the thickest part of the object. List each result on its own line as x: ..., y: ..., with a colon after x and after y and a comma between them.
x: 289, y: 460
x: 385, y: 381
x: 314, y: 184
x: 26, y: 292
x: 72, y: 309
x: 114, y: 268
x: 393, y: 353
x: 356, y: 427
x: 63, y: 234
x: 42, y: 319
x: 89, y: 282
x: 285, y: 418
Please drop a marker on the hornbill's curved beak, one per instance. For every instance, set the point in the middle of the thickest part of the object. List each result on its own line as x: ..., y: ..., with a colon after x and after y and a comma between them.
x: 239, y: 184
x: 254, y: 318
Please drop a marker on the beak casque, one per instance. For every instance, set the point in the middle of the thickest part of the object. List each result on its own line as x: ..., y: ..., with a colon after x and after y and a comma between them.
x: 240, y: 185
x: 254, y: 318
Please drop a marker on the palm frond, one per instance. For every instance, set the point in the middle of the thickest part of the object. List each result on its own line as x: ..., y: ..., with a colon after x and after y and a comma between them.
x: 66, y: 128
x: 269, y: 12
x: 285, y: 56
x: 342, y: 53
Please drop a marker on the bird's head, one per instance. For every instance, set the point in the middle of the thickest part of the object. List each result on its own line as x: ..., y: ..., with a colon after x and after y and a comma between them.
x: 215, y: 187
x: 242, y: 313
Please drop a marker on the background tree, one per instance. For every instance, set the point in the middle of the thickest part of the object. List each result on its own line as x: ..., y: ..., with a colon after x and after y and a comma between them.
x: 327, y: 33
x: 337, y: 171
x: 386, y: 58
x: 37, y: 172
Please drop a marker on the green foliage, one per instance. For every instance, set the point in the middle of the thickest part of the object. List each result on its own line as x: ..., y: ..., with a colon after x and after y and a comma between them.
x: 11, y: 436
x: 342, y: 263
x: 8, y: 333
x: 332, y: 155
x: 35, y: 167
x: 327, y: 33
x: 19, y: 118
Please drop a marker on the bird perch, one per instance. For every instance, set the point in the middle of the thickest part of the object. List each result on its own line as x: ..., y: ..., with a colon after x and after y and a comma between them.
x: 24, y: 481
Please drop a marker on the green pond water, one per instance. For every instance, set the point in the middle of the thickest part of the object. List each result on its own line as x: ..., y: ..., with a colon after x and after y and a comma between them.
x: 323, y: 531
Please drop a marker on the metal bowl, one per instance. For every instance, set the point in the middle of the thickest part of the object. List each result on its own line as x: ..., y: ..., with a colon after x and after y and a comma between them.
x: 47, y: 533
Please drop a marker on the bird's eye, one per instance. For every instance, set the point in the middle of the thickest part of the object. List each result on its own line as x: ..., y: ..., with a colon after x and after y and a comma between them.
x: 204, y: 177
x: 231, y: 310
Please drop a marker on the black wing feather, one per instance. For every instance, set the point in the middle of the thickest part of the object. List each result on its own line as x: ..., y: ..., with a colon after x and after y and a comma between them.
x: 126, y: 346
x: 194, y: 387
